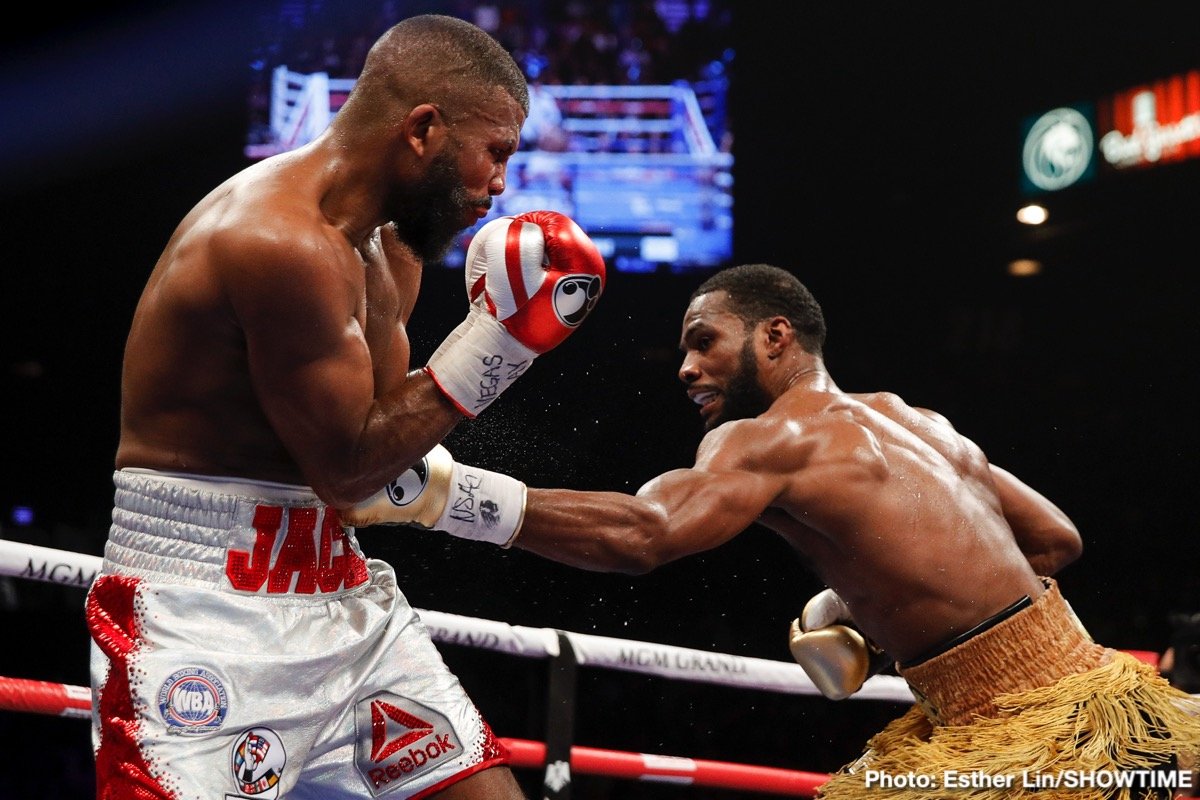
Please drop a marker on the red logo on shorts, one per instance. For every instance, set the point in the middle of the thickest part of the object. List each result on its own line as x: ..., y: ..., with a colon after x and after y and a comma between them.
x: 381, y: 712
x: 317, y: 560
x: 406, y: 740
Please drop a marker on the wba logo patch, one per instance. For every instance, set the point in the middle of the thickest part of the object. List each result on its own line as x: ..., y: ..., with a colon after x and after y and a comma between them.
x: 192, y: 701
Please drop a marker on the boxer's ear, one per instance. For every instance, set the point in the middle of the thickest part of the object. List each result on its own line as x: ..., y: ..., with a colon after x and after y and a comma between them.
x: 780, y: 334
x: 424, y: 129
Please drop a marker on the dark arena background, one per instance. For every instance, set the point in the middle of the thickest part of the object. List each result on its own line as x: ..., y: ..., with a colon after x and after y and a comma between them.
x: 879, y: 151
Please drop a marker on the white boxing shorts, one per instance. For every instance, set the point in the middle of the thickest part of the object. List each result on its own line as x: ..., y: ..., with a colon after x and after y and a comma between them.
x: 242, y: 647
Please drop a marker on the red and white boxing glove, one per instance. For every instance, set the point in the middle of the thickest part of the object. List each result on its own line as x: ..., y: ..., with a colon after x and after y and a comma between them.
x: 441, y: 494
x: 531, y: 280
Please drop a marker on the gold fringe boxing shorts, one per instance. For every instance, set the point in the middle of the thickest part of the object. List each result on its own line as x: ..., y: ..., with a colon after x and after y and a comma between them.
x: 242, y: 647
x: 1029, y: 707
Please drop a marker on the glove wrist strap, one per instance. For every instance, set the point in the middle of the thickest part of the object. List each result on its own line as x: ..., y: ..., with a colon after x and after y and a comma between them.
x: 478, y: 361
x: 484, y: 506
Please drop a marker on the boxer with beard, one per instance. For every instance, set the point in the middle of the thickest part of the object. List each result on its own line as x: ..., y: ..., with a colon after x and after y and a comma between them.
x: 931, y: 554
x: 242, y: 643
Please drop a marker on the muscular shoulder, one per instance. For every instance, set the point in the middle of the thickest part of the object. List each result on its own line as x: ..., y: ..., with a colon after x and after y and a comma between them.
x: 792, y: 443
x: 735, y: 445
x: 262, y: 246
x: 931, y: 428
x: 284, y: 236
x: 895, y: 408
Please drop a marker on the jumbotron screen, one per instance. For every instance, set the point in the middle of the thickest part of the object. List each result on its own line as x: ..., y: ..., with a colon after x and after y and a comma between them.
x: 628, y: 131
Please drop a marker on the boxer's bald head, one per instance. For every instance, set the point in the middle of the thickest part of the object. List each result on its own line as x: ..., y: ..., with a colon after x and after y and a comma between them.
x: 441, y: 60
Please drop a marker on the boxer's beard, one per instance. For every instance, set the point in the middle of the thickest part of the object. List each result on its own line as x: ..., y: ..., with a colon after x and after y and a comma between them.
x: 744, y: 397
x: 429, y: 215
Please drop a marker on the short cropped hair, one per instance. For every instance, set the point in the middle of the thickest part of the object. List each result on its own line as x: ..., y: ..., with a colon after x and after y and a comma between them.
x: 434, y: 58
x: 760, y: 291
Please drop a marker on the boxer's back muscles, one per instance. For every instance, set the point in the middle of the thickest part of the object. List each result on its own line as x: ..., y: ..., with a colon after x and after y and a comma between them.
x: 897, y: 512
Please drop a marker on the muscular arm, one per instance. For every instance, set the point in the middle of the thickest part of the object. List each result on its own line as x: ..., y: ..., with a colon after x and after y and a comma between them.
x: 1044, y: 533
x: 676, y: 514
x: 351, y: 418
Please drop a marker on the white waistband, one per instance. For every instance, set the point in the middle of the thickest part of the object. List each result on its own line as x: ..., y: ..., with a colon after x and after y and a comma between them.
x: 211, y: 484
x: 228, y: 534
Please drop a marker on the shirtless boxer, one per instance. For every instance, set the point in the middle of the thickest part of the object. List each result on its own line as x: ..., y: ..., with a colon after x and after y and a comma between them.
x: 242, y: 644
x: 931, y: 554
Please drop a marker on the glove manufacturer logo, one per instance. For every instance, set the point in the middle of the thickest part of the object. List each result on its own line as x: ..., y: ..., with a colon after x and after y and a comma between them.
x: 408, y: 486
x: 574, y: 298
x: 257, y: 762
x: 400, y: 739
x: 192, y: 700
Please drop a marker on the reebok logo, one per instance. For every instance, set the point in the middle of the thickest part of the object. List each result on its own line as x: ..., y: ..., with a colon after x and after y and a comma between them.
x: 399, y: 740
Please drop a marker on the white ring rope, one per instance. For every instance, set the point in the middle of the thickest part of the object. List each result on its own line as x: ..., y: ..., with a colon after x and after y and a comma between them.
x: 41, y: 697
x: 76, y: 569
x: 21, y: 560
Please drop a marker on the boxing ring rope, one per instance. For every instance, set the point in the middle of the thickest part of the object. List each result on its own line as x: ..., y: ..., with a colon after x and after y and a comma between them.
x: 566, y: 649
x: 43, y: 697
x: 55, y: 699
x: 661, y: 660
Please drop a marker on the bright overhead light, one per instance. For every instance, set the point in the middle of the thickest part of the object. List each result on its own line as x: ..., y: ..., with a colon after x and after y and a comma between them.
x: 1024, y: 267
x: 1032, y: 214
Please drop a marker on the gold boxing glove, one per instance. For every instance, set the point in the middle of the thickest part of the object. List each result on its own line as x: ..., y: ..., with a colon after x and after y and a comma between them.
x: 835, y: 656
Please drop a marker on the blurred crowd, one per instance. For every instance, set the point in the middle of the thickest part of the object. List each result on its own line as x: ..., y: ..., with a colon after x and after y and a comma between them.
x: 581, y: 42
x: 576, y: 42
